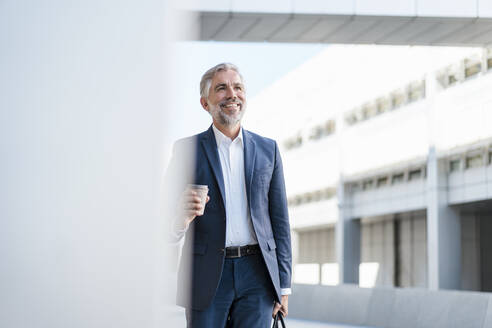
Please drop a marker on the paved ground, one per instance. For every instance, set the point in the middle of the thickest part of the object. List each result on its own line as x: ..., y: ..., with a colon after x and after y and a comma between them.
x: 179, y: 321
x: 295, y: 323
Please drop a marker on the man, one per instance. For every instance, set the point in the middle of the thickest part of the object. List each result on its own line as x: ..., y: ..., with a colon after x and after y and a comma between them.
x: 236, y: 259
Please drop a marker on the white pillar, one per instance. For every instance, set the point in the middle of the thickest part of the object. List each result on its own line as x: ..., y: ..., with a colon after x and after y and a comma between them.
x: 443, y: 230
x: 347, y: 240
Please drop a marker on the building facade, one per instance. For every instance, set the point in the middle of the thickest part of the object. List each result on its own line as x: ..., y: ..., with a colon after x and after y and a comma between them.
x: 388, y: 161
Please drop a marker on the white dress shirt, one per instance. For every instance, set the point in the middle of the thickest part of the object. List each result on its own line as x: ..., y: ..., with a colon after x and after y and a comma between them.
x: 239, y: 228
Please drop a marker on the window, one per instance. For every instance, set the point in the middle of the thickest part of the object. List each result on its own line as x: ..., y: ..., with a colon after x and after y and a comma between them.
x: 442, y: 78
x: 293, y: 142
x: 367, y: 184
x: 296, y: 200
x: 316, y: 247
x: 455, y: 74
x: 313, y: 196
x: 397, y: 99
x: 450, y: 75
x: 329, y: 127
x: 351, y: 119
x: 416, y: 91
x: 382, y: 181
x: 472, y: 67
x: 316, y: 133
x: 317, y: 195
x: 397, y: 178
x: 359, y: 115
x: 356, y: 187
x: 415, y: 174
x: 369, y: 110
x: 474, y: 161
x: 452, y: 79
x: 383, y: 104
x: 328, y: 193
x: 454, y: 165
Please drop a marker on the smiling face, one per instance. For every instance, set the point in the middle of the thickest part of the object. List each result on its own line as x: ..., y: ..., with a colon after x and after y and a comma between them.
x: 226, y: 100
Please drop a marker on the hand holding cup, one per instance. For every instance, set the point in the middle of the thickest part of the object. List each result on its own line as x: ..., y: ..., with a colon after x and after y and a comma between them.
x: 193, y: 202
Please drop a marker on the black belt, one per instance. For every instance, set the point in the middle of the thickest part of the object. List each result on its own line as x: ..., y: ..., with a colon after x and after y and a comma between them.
x: 239, y: 251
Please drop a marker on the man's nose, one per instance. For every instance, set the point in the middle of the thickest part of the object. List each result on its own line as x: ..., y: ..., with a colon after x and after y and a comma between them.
x: 231, y: 93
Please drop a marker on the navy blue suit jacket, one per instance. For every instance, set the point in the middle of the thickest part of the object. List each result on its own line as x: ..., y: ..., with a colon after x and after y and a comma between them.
x: 203, y: 250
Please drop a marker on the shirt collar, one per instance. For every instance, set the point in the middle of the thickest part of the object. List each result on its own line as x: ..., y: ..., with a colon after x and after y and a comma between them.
x: 222, y: 138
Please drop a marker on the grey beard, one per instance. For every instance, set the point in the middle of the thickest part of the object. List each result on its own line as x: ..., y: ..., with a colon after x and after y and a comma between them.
x: 225, y: 119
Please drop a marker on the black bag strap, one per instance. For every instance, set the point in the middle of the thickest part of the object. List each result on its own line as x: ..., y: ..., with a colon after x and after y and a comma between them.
x: 275, y: 320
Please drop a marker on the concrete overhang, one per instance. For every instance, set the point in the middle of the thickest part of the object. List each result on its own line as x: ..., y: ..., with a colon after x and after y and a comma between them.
x: 391, y: 22
x: 344, y: 29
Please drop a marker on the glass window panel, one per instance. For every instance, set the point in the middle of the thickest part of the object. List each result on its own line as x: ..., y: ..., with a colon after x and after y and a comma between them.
x: 382, y: 181
x: 397, y: 178
x: 383, y: 104
x: 367, y: 184
x: 397, y: 99
x: 416, y: 91
x: 454, y: 165
x: 414, y: 174
x: 474, y: 161
x: 473, y: 66
x: 329, y: 127
x: 351, y: 119
x: 452, y: 79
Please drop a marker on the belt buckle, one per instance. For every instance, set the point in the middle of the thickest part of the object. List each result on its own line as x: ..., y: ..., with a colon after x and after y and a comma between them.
x: 238, y: 253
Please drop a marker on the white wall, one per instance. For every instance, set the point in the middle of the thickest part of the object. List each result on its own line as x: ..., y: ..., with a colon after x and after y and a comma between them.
x: 82, y: 120
x: 312, y: 214
x: 463, y: 113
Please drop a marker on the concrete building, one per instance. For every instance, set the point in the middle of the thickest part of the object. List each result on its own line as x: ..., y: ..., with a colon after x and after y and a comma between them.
x: 388, y: 161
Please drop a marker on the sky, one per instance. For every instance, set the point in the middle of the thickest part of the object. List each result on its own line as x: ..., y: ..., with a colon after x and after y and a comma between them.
x: 261, y: 64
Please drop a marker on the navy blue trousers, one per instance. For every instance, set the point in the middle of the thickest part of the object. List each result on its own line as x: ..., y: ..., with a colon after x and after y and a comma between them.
x: 244, y: 295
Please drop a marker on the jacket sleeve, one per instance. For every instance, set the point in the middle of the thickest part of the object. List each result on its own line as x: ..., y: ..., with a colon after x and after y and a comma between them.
x: 177, y: 175
x: 279, y: 217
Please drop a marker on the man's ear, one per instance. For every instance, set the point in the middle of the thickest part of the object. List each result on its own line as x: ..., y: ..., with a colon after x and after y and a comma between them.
x: 204, y: 103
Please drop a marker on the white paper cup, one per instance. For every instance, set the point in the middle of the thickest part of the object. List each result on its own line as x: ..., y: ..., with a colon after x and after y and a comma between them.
x: 202, y: 191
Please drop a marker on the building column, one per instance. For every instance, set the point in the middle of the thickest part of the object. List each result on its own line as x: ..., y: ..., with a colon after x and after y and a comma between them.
x: 443, y: 229
x: 347, y: 240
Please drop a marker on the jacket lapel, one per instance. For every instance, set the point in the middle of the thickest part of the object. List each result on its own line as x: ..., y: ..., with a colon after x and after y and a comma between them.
x: 210, y: 146
x: 249, y: 161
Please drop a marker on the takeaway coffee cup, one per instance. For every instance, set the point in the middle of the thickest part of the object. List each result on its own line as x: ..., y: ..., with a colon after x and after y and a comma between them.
x: 202, y: 191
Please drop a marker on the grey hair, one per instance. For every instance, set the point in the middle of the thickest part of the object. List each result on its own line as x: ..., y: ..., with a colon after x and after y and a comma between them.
x: 206, y: 80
